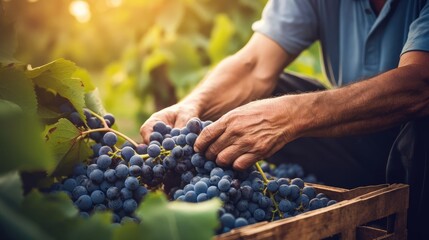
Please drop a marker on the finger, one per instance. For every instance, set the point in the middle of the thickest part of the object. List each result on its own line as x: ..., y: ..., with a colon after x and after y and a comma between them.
x: 245, y: 161
x: 208, y: 135
x: 227, y: 156
x: 181, y: 120
x: 217, y: 146
x: 146, y: 129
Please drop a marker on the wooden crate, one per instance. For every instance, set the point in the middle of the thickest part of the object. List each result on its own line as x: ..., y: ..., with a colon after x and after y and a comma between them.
x: 372, y: 212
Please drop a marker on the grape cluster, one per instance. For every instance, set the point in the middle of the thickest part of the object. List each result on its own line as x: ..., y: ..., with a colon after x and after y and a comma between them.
x: 111, y: 179
x: 119, y: 178
x: 248, y: 196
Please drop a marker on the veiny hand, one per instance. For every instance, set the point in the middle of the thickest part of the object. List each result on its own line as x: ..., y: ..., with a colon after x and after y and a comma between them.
x: 176, y: 116
x: 247, y: 134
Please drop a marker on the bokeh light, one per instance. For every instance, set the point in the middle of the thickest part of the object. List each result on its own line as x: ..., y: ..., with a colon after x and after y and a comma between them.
x: 80, y: 10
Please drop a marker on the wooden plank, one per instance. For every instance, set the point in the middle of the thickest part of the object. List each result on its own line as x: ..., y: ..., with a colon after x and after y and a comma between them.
x: 365, y: 232
x: 340, y: 217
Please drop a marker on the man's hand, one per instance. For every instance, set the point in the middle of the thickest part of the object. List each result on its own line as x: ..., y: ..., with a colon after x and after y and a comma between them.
x: 176, y: 116
x: 247, y: 134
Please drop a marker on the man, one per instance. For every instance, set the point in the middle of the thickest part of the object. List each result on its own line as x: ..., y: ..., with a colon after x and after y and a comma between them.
x: 375, y: 51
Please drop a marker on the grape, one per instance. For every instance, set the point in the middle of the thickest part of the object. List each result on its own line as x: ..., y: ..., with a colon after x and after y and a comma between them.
x: 103, y: 162
x: 110, y: 175
x: 309, y: 191
x: 224, y: 185
x: 197, y: 160
x: 187, y: 150
x: 169, y: 162
x: 75, y: 119
x: 258, y: 185
x: 110, y: 139
x: 158, y: 171
x: 187, y: 176
x: 141, y: 148
x: 184, y: 131
x: 156, y: 136
x: 115, y: 204
x: 331, y: 202
x: 84, y: 202
x: 91, y: 168
x: 161, y: 128
x: 98, y: 197
x: 298, y: 182
x: 212, y: 191
x: 69, y: 184
x: 79, y: 169
x: 240, y: 222
x: 112, y: 193
x: 191, y: 138
x: 200, y: 187
x: 194, y: 125
x: 105, y: 150
x: 131, y: 183
x: 177, y: 152
x: 191, y: 196
x: 284, y: 190
x: 127, y: 153
x: 79, y: 191
x: 294, y: 191
x: 175, y: 132
x: 264, y: 202
x: 181, y: 140
x: 100, y: 207
x: 272, y: 186
x: 97, y: 176
x: 178, y: 193
x: 228, y: 220
x: 209, y: 165
x: 139, y: 193
x: 315, y: 203
x: 125, y: 194
x: 320, y: 195
x: 121, y: 171
x: 130, y: 205
x: 109, y: 117
x: 168, y: 144
x: 242, y: 205
x: 202, y: 197
x: 135, y: 171
x: 259, y: 214
x: 217, y: 171
x: 285, y: 205
x: 153, y: 150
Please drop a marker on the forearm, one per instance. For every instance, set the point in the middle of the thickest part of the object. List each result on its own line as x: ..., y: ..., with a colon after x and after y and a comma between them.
x: 368, y: 106
x: 248, y: 75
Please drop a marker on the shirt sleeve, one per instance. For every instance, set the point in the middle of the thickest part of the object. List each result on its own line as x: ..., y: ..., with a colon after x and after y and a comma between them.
x: 290, y: 23
x: 418, y: 36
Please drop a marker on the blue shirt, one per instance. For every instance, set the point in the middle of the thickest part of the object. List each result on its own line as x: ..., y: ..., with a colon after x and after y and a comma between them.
x: 356, y: 43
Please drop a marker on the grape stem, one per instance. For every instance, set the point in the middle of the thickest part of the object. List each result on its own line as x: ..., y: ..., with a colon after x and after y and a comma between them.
x: 264, y: 177
x: 107, y: 129
x: 103, y: 121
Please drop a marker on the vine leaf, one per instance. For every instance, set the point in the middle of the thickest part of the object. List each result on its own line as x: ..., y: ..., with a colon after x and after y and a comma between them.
x: 63, y: 139
x: 183, y: 220
x: 57, y: 77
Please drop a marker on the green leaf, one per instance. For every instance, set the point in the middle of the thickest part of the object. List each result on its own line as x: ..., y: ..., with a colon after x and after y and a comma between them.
x: 84, y: 76
x: 17, y: 88
x: 221, y: 36
x: 93, y: 102
x: 22, y: 147
x: 98, y: 226
x: 67, y: 146
x: 177, y: 220
x: 57, y: 77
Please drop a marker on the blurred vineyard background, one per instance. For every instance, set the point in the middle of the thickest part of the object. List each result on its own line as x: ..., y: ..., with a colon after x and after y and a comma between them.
x: 143, y: 55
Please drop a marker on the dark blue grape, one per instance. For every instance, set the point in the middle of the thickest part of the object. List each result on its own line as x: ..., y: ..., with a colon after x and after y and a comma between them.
x: 135, y: 171
x: 141, y: 148
x: 156, y: 136
x: 147, y: 172
x: 109, y: 117
x: 242, y: 205
x: 153, y: 150
x: 175, y: 132
x: 105, y: 185
x: 309, y: 191
x: 127, y: 153
x: 227, y: 220
x: 121, y: 171
x: 181, y: 140
x: 112, y: 193
x: 161, y: 128
x: 91, y: 168
x: 246, y: 192
x: 298, y: 181
x: 320, y: 195
x: 187, y: 150
x: 206, y: 123
x: 84, y: 202
x: 168, y: 144
x: 284, y: 190
x: 96, y: 176
x: 200, y: 187
x: 169, y: 162
x: 110, y: 175
x: 272, y: 186
x: 294, y: 191
x: 69, y: 184
x: 187, y: 176
x: 140, y: 192
x: 110, y: 139
x: 209, y: 165
x: 217, y: 171
x: 79, y: 169
x: 79, y: 191
x: 197, y: 160
x: 105, y: 150
x: 224, y: 185
x: 126, y: 193
x: 177, y: 152
x: 331, y: 202
x: 315, y: 203
x: 212, y: 191
x: 191, y: 196
x: 115, y: 204
x: 178, y: 193
x: 184, y: 131
x: 258, y: 185
x: 158, y: 171
x: 75, y: 119
x: 259, y: 214
x: 202, y: 197
x: 132, y: 183
x: 191, y: 138
x: 194, y: 125
x: 91, y: 186
x: 98, y: 197
x: 103, y: 162
x: 130, y: 205
x: 264, y: 202
x: 285, y: 205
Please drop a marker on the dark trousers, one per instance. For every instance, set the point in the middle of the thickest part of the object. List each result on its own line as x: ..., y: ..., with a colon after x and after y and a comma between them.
x: 342, y: 161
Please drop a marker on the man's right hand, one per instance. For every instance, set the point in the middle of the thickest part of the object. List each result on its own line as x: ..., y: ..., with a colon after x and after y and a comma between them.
x: 176, y: 116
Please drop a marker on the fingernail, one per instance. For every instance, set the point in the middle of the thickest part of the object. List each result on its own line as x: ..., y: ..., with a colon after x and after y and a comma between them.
x: 196, y: 149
